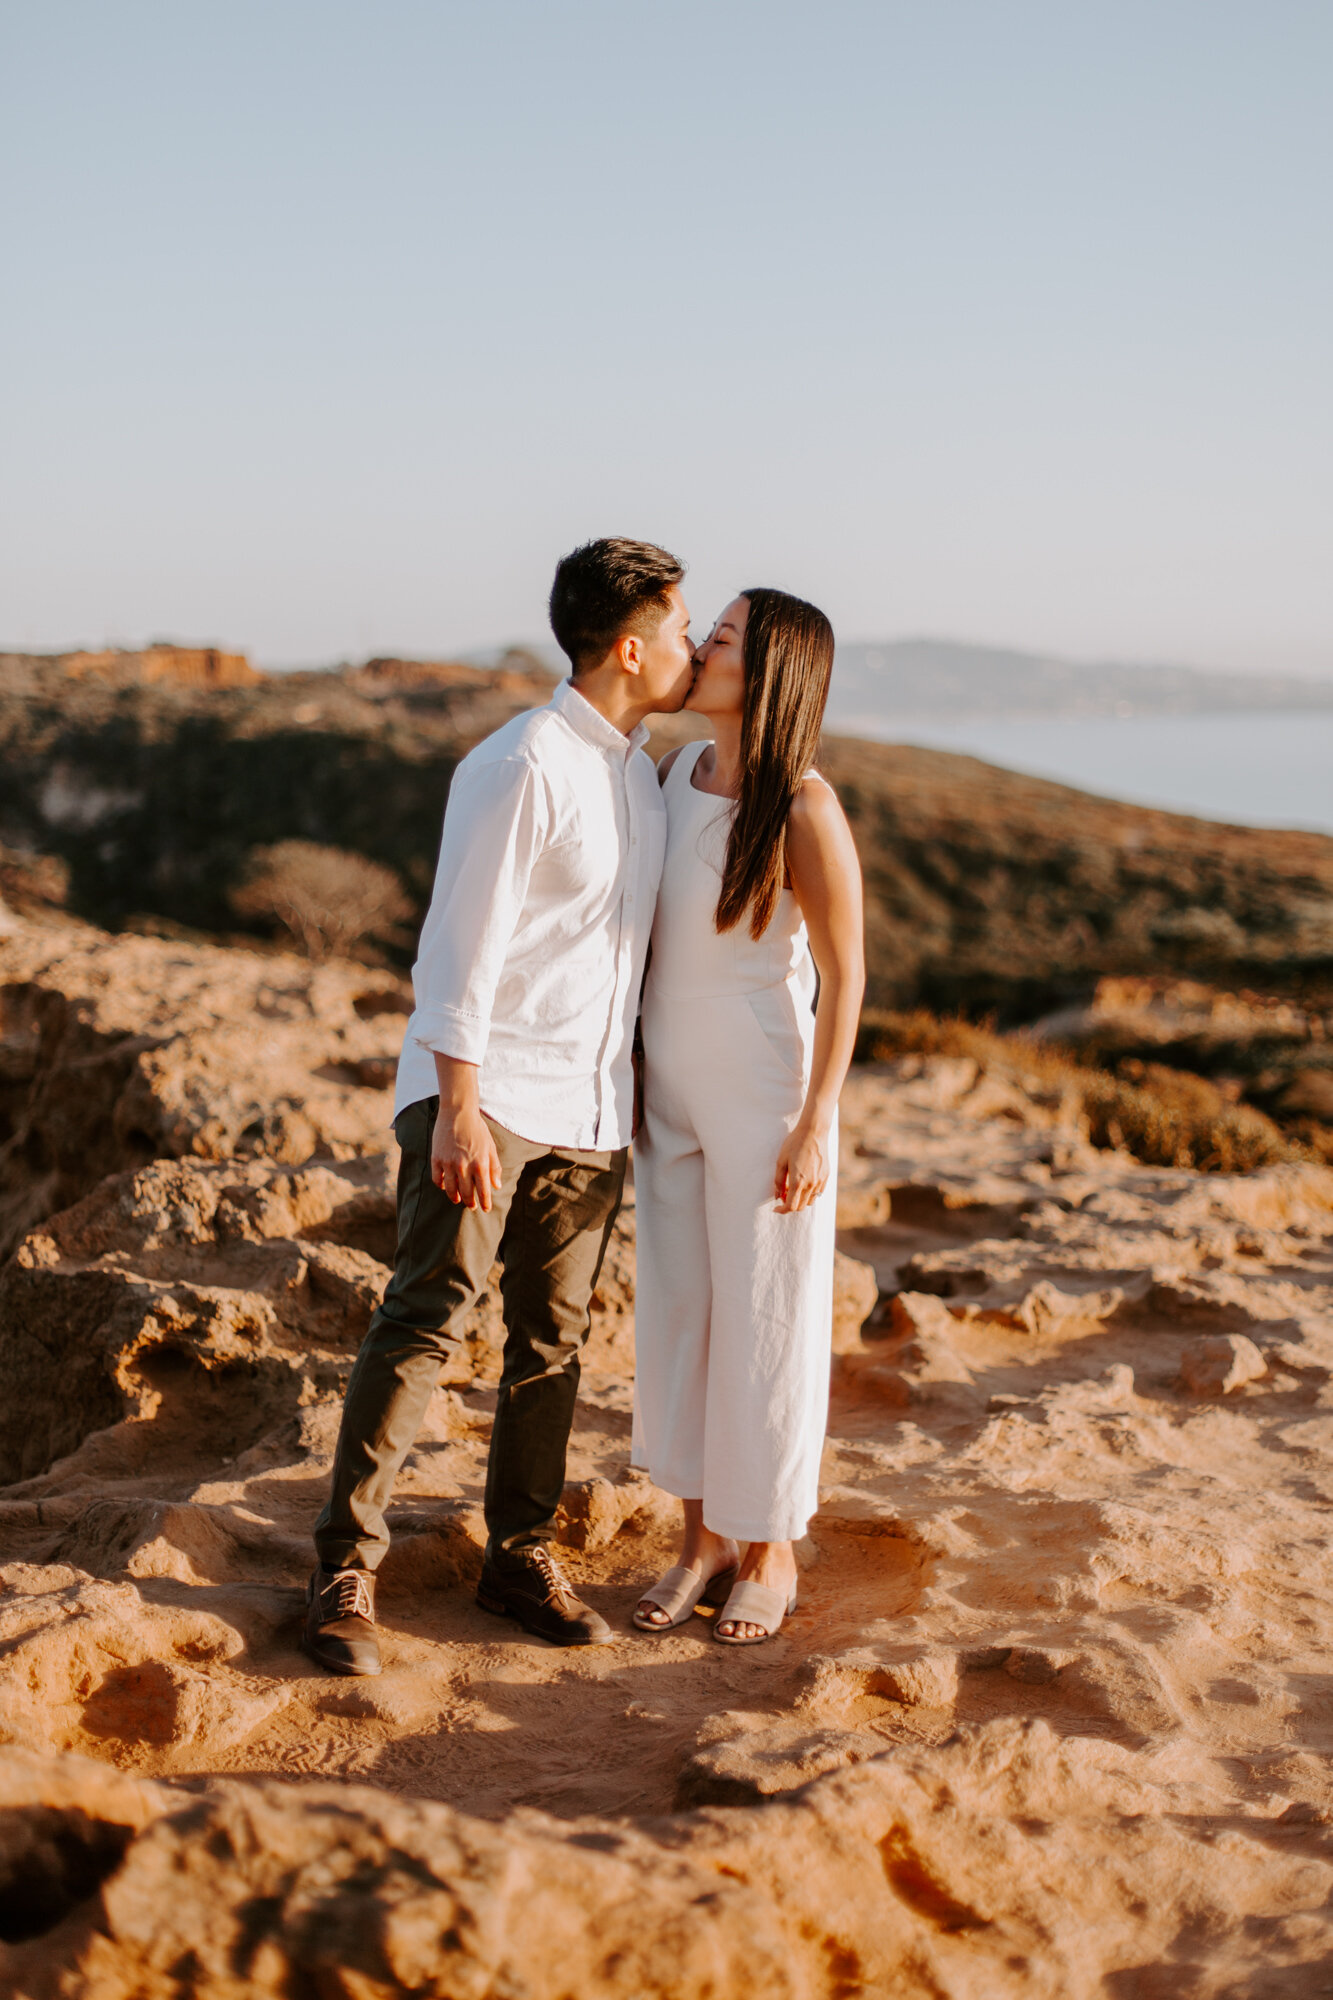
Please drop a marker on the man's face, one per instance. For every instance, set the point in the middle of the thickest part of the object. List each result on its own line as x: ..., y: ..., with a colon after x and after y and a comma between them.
x: 667, y: 659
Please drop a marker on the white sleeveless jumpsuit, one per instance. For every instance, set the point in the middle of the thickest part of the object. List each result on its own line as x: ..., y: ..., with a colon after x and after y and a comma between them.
x: 734, y: 1301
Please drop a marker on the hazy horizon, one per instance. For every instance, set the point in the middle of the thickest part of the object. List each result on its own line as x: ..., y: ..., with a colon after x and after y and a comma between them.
x: 546, y: 649
x: 330, y: 330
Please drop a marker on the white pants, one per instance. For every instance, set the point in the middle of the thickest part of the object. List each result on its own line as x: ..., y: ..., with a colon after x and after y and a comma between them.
x: 734, y: 1301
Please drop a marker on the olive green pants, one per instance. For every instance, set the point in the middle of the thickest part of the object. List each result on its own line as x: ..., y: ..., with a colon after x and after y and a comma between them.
x: 549, y: 1225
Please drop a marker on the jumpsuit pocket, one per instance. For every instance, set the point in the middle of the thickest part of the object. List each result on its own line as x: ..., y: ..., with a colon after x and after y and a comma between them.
x: 775, y: 1011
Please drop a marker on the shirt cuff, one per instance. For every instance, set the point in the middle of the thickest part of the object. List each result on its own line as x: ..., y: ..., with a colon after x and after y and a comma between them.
x: 446, y: 1032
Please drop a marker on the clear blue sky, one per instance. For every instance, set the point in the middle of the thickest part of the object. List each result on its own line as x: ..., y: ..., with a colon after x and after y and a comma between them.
x: 328, y: 327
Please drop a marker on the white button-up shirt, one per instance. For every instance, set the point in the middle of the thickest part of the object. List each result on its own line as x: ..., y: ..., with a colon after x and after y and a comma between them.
x: 532, y: 953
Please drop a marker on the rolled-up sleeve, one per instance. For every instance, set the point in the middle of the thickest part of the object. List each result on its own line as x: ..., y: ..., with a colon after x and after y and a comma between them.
x: 494, y: 826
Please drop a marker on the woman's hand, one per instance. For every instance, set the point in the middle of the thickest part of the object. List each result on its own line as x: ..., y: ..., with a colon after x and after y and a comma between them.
x: 803, y: 1168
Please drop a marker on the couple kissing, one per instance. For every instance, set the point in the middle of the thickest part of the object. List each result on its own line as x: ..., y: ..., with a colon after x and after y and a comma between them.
x: 547, y: 1034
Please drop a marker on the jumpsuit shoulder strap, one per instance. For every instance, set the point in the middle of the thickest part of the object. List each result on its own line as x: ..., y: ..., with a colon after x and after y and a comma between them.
x: 678, y: 777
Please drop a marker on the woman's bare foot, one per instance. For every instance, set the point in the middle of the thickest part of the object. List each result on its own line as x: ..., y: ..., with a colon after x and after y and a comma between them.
x: 771, y: 1563
x: 701, y: 1550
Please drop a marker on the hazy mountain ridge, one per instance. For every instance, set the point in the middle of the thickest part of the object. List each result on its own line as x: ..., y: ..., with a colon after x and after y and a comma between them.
x: 874, y: 680
x: 946, y: 679
x: 877, y: 680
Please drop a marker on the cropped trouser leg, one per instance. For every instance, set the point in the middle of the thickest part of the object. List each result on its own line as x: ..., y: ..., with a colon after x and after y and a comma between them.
x: 734, y: 1299
x: 673, y: 1307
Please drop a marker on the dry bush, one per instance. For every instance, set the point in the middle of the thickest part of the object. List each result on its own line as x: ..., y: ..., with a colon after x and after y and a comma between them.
x: 325, y: 897
x: 1311, y: 1133
x: 32, y: 882
x: 1167, y: 1124
x: 1165, y: 1117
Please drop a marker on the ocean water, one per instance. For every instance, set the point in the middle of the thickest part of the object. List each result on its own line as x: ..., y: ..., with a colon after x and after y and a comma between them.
x: 1260, y: 769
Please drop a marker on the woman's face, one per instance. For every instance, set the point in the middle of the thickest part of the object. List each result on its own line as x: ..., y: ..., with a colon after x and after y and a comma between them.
x: 719, y: 686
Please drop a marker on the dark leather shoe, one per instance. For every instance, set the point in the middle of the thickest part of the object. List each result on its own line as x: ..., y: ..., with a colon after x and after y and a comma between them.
x: 340, y: 1621
x: 532, y: 1588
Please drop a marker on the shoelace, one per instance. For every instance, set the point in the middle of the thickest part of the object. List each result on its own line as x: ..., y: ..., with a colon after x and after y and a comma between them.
x: 351, y: 1594
x: 550, y: 1572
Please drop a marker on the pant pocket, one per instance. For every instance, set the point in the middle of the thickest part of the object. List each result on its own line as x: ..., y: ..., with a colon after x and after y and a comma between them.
x: 774, y: 1010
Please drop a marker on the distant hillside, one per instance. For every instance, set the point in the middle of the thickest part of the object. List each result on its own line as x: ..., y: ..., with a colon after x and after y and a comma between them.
x: 161, y: 664
x: 875, y: 683
x: 985, y: 889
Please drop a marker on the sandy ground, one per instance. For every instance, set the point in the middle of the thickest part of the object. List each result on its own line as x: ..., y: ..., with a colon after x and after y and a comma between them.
x: 1018, y: 1488
x: 1077, y: 1473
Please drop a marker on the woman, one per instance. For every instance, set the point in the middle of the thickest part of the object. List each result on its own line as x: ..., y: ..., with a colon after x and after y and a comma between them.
x: 736, y: 1161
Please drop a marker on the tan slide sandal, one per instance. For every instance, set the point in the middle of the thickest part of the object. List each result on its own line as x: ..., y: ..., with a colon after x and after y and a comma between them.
x: 753, y: 1604
x: 679, y: 1592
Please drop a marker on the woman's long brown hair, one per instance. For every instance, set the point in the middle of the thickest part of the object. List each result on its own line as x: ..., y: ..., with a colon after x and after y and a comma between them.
x: 787, y: 654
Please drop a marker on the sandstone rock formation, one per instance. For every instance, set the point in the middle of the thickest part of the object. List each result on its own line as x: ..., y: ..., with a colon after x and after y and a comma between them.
x: 1050, y: 1718
x: 114, y: 1052
x: 517, y: 672
x: 150, y: 666
x: 979, y: 1870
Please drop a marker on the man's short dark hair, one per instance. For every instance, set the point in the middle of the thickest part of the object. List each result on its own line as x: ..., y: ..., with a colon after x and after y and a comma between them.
x: 606, y: 589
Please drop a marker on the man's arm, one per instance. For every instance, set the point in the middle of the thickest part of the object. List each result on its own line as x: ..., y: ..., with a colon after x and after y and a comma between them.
x: 494, y: 827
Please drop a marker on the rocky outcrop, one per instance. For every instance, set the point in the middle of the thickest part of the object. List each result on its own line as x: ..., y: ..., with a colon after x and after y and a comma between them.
x: 978, y: 1869
x: 150, y: 666
x: 218, y: 1301
x: 213, y: 1291
x: 114, y: 1052
x: 516, y: 672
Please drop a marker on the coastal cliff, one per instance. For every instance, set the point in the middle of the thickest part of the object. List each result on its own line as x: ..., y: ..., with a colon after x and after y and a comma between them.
x: 986, y: 890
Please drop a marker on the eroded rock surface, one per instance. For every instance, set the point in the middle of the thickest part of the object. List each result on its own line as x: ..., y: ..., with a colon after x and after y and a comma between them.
x: 979, y: 1869
x: 116, y: 1051
x: 1051, y: 1718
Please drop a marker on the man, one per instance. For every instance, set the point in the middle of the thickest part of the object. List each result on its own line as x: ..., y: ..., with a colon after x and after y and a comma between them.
x: 515, y: 1095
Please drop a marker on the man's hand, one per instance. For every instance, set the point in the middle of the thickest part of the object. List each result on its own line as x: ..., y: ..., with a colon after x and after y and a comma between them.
x: 464, y: 1163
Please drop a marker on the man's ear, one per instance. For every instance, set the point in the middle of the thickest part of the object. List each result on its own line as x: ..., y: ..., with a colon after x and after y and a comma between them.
x: 629, y: 653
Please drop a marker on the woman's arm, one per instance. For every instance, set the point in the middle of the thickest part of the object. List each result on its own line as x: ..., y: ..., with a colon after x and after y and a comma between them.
x: 826, y: 880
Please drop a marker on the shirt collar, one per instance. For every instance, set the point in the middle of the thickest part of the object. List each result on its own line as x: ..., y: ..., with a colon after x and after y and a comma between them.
x: 592, y: 725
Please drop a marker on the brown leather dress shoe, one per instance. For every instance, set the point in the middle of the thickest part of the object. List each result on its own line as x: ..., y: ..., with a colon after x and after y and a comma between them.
x: 533, y: 1589
x: 340, y: 1621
